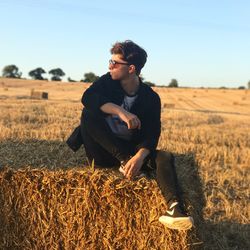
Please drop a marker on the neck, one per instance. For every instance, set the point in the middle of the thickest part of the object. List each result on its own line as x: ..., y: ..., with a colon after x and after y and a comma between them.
x: 130, y: 84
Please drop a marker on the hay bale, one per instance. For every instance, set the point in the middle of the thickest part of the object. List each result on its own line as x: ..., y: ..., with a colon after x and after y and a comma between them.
x: 168, y: 105
x: 39, y: 95
x: 82, y: 209
x: 215, y: 119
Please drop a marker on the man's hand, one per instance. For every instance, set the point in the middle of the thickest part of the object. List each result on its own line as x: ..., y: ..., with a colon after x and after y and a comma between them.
x: 133, y: 166
x: 130, y: 119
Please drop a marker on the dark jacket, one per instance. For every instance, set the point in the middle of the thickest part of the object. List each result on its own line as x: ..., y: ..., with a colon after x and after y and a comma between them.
x: 147, y: 108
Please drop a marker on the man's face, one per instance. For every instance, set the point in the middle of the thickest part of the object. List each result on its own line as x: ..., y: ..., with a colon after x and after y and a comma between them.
x: 119, y: 69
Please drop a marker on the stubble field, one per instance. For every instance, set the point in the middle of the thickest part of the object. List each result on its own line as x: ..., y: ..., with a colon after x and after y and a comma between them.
x: 51, y: 198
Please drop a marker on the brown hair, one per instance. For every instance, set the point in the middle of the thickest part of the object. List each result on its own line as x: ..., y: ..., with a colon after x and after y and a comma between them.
x: 131, y: 53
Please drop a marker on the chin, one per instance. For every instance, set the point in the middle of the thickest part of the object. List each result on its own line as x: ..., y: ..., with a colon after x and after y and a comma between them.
x: 114, y: 77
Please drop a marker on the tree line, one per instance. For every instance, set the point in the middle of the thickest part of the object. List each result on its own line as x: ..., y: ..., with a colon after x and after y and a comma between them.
x: 12, y: 71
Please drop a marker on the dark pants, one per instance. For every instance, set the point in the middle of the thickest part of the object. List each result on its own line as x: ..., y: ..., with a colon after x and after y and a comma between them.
x: 102, y: 146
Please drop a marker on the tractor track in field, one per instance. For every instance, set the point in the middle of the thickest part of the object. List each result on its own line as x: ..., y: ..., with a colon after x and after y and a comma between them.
x: 209, y: 111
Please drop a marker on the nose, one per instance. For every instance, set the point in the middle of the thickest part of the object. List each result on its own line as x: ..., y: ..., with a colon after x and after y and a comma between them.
x: 110, y: 66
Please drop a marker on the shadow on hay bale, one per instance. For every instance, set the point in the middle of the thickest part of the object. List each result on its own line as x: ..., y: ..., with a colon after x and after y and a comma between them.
x: 91, y: 209
x: 39, y: 95
x: 50, y: 154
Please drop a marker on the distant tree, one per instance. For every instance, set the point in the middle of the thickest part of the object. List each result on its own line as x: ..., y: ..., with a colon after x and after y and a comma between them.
x: 56, y: 74
x: 146, y: 82
x: 173, y: 84
x: 241, y: 87
x: 149, y: 84
x: 11, y: 71
x: 248, y: 85
x: 71, y: 80
x: 36, y: 74
x: 90, y: 77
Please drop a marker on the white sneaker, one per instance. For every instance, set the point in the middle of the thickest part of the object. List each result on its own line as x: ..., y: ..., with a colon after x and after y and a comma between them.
x: 176, y: 219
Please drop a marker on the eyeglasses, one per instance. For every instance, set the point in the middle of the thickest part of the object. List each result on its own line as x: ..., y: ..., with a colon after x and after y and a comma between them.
x: 113, y: 62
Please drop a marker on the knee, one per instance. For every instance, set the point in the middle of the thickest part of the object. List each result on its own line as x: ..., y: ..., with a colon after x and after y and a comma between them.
x: 164, y: 156
x: 91, y: 121
x: 86, y: 117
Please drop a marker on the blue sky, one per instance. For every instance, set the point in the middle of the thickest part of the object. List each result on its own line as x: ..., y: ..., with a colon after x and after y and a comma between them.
x: 199, y: 43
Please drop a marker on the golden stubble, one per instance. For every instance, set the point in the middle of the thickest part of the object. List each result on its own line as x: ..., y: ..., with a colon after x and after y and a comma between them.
x: 52, y: 198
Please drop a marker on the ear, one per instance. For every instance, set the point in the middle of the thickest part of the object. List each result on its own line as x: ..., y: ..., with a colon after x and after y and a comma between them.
x: 132, y: 69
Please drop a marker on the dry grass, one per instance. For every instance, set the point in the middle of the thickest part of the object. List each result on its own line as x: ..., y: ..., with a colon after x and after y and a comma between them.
x: 82, y: 209
x: 51, y: 199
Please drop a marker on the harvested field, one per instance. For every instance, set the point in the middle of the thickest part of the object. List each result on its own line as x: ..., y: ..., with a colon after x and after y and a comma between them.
x: 52, y: 199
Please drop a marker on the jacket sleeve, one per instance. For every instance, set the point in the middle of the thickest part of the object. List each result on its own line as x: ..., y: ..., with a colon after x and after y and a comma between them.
x: 152, y: 127
x: 95, y: 96
x: 75, y: 139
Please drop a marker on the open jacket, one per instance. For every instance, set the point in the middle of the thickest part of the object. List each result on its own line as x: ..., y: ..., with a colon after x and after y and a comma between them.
x: 147, y: 107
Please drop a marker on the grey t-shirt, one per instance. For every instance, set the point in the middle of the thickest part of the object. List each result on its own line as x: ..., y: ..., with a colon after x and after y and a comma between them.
x: 119, y: 127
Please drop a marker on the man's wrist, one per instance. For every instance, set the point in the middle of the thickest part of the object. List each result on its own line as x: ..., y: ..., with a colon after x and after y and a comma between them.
x: 143, y: 153
x: 111, y: 108
x: 120, y: 110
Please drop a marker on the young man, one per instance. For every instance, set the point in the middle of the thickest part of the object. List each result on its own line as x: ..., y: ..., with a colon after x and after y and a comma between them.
x: 120, y: 126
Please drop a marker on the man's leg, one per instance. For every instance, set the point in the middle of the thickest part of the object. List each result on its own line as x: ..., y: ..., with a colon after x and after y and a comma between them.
x: 96, y: 153
x: 100, y: 143
x: 166, y: 177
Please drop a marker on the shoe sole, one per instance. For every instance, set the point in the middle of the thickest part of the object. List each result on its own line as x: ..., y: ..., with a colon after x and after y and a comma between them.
x: 179, y: 223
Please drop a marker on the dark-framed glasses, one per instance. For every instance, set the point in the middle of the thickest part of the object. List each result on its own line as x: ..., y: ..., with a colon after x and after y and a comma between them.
x: 113, y: 62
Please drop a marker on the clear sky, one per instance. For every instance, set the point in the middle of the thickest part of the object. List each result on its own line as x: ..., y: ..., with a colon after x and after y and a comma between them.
x: 199, y: 43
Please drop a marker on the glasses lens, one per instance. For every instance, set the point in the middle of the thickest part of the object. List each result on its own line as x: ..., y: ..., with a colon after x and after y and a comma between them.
x: 112, y: 62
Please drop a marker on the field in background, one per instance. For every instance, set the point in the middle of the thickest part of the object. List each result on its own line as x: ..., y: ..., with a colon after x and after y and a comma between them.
x: 208, y: 130
x: 214, y: 100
